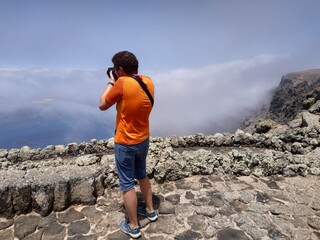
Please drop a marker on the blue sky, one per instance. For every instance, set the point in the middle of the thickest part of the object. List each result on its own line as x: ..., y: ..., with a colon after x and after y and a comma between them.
x: 213, y: 62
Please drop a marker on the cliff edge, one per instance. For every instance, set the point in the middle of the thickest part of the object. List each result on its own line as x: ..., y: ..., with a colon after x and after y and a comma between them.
x: 295, y: 103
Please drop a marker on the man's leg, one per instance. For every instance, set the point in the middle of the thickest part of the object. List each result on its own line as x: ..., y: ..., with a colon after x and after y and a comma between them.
x: 124, y: 156
x: 145, y: 187
x: 130, y: 203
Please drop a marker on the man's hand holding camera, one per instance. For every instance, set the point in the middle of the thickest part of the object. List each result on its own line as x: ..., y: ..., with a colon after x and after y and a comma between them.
x: 111, y: 72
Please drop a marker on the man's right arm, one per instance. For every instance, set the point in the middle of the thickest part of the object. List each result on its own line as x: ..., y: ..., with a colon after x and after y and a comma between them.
x: 104, y: 105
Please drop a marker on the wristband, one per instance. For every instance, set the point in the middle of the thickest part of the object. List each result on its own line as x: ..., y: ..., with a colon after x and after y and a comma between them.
x: 111, y: 83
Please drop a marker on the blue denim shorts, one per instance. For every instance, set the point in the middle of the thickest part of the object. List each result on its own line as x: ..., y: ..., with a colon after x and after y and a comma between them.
x: 131, y: 163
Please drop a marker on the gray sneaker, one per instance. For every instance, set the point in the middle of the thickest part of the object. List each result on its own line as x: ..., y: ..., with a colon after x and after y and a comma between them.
x: 152, y: 216
x: 125, y: 227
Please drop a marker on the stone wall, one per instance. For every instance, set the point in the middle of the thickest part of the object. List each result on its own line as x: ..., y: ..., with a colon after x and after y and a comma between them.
x: 55, y: 177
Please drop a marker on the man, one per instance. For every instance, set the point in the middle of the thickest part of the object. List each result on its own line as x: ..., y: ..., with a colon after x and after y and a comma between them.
x: 131, y: 135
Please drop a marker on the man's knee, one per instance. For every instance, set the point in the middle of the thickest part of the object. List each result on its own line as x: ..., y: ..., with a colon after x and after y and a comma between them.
x: 145, y: 182
x: 144, y: 179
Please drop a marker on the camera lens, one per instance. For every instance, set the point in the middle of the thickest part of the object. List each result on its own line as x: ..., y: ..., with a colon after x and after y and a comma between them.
x: 113, y: 70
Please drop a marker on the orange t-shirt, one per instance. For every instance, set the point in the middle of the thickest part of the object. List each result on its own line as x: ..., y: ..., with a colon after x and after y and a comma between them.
x: 133, y: 109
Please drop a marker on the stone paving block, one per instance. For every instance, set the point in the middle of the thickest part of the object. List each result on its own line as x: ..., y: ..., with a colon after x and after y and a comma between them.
x: 197, y: 222
x: 47, y: 220
x: 258, y: 207
x: 240, y: 187
x: 7, y: 234
x: 164, y: 225
x: 262, y: 221
x: 314, y: 222
x: 78, y: 227
x: 302, y: 210
x: 113, y: 219
x: 221, y: 187
x: 93, y: 215
x: 272, y: 184
x: 252, y: 230
x: 189, y: 234
x: 167, y: 208
x: 202, y: 201
x: 173, y: 198
x: 5, y: 223
x: 54, y: 231
x: 231, y: 196
x: 282, y: 225
x: 25, y: 225
x: 70, y: 215
x: 182, y: 209
x: 246, y: 196
x: 315, y: 205
x: 299, y: 234
x: 279, y: 195
x: 315, y: 235
x: 109, y: 205
x: 206, y: 211
x: 231, y: 234
x: 101, y: 229
x: 189, y: 195
x: 185, y: 185
x: 238, y: 206
x: 216, y: 200
x: 83, y: 237
x: 209, y: 232
x: 119, y: 235
x: 262, y: 197
x: 299, y: 222
x: 35, y: 236
x: 158, y: 237
x: 275, y: 234
x: 280, y: 209
x: 227, y: 210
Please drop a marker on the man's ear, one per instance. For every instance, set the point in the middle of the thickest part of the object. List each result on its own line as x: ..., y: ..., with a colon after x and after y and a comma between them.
x: 121, y: 72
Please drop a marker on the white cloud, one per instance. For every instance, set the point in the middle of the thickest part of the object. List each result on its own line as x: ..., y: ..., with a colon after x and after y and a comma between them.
x: 213, y: 98
x: 44, y: 101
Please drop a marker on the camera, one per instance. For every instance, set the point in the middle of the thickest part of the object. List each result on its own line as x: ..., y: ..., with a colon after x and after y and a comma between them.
x: 113, y: 70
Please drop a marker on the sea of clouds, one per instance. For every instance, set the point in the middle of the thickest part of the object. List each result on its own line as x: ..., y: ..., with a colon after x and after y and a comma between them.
x: 40, y: 107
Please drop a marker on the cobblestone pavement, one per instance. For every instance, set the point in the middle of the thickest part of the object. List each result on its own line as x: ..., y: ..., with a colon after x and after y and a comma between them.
x: 222, y: 207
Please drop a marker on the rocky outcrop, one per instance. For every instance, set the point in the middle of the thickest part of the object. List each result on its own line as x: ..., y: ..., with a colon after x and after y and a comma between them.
x: 297, y: 91
x: 295, y: 104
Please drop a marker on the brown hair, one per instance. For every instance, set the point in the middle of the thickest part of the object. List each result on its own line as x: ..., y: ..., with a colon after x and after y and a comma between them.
x: 127, y: 61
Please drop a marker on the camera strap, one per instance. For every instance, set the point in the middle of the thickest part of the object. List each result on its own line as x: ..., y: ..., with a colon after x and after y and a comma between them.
x: 144, y: 87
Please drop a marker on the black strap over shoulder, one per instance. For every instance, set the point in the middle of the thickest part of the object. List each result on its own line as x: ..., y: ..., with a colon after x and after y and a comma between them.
x: 144, y: 87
